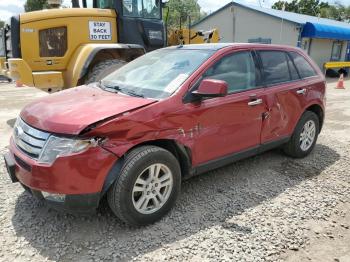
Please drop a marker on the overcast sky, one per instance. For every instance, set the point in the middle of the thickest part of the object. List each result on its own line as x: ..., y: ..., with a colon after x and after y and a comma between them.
x: 11, y: 7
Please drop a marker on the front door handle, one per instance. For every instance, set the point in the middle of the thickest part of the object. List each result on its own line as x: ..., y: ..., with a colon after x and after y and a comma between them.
x: 301, y: 91
x: 255, y: 102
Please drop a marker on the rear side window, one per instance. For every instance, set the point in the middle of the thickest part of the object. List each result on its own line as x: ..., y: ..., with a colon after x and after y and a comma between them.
x: 304, y: 68
x: 275, y: 67
x: 238, y: 70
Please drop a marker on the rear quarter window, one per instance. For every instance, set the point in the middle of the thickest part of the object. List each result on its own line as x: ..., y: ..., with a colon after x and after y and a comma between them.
x: 303, y: 66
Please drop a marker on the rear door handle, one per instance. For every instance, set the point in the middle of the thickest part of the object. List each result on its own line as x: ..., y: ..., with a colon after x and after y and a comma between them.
x: 301, y: 91
x: 255, y: 102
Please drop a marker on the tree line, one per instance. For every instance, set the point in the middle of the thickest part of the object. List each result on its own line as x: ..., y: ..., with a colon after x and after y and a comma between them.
x: 318, y: 8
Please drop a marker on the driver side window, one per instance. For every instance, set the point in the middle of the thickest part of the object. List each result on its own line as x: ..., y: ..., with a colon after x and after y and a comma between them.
x: 237, y: 69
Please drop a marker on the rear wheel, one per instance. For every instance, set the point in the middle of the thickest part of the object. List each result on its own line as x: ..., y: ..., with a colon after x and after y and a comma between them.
x: 147, y: 186
x: 304, y: 137
x: 102, y: 69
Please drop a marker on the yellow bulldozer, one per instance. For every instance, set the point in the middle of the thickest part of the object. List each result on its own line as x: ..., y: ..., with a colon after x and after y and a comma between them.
x: 61, y: 48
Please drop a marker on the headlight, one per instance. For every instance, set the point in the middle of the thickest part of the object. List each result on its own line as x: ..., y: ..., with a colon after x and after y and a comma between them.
x: 60, y: 146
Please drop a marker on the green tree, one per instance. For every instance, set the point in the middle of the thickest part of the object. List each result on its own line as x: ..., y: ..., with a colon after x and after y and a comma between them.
x: 2, y: 23
x: 337, y: 12
x: 34, y: 5
x: 306, y: 7
x: 180, y: 11
x: 290, y: 7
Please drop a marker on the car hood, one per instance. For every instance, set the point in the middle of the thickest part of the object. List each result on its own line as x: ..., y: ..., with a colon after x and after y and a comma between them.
x: 70, y: 111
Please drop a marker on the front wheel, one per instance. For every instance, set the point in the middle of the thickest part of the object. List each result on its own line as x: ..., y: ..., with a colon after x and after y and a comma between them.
x: 304, y: 137
x: 147, y: 187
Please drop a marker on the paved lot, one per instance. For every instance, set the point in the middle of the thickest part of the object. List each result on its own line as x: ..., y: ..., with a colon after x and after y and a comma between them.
x: 268, y: 207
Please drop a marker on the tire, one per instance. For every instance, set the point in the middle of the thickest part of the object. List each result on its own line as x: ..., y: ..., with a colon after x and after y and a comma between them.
x: 124, y: 201
x: 294, y: 147
x: 102, y: 69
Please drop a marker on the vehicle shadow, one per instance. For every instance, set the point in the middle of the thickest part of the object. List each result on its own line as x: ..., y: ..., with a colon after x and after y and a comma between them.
x: 208, y: 200
x: 11, y: 122
x: 4, y: 79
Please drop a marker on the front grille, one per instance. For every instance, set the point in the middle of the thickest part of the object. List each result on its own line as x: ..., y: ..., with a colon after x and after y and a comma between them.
x: 28, y: 139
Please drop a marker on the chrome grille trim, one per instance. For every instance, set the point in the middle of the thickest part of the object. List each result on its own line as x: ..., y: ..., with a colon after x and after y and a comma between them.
x: 35, y: 133
x: 33, y: 140
x: 29, y: 140
x: 27, y: 148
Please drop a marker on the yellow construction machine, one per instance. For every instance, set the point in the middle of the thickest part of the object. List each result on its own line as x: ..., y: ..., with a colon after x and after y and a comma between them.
x: 62, y: 48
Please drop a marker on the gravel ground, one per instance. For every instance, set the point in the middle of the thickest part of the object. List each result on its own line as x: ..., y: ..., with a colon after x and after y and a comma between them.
x: 266, y: 208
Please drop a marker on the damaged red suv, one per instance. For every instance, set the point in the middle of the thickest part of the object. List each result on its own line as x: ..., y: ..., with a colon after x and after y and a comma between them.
x: 168, y: 115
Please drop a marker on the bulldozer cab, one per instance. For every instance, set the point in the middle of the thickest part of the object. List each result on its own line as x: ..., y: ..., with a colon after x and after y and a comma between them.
x: 138, y: 21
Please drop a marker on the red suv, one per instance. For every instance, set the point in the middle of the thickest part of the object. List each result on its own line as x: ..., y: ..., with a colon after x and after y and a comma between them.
x: 168, y: 115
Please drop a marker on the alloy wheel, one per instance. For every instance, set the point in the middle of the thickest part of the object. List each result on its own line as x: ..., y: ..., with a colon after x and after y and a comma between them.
x: 307, y: 135
x: 152, y: 188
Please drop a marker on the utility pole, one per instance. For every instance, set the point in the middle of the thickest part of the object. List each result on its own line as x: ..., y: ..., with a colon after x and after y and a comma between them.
x: 281, y: 31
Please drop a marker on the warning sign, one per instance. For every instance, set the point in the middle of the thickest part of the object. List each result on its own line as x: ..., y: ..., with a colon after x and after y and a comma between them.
x: 100, y: 30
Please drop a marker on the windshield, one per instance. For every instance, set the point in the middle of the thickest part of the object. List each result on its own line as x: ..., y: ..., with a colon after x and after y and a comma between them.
x: 142, y: 8
x: 157, y: 74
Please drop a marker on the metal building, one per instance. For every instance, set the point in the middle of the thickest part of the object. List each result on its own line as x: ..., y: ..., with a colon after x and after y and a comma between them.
x: 323, y: 39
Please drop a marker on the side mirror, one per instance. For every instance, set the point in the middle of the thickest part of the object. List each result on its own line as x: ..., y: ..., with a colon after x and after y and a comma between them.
x: 211, y: 88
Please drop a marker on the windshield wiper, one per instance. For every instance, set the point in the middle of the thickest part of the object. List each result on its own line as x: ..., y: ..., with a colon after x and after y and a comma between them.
x: 132, y: 93
x: 114, y: 88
